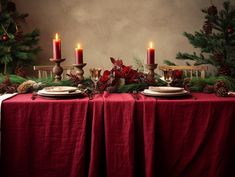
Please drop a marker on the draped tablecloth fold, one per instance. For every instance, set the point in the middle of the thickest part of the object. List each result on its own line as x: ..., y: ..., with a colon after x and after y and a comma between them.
x: 118, y: 135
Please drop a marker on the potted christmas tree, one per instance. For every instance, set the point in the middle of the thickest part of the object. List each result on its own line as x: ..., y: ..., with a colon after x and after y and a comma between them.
x: 17, y: 49
x: 216, y: 40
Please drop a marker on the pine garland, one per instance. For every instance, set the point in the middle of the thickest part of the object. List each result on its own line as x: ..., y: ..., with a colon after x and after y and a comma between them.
x: 198, y: 84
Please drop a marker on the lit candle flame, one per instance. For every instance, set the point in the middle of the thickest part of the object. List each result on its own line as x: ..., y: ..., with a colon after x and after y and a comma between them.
x: 56, y: 36
x: 78, y: 46
x: 151, y: 45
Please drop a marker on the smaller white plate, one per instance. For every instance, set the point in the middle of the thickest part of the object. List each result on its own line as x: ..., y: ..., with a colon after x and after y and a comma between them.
x: 148, y: 92
x: 166, y: 89
x: 60, y: 94
x: 60, y: 89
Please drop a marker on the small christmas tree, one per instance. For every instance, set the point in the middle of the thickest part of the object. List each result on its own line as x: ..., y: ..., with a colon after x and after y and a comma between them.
x: 16, y: 48
x: 216, y: 40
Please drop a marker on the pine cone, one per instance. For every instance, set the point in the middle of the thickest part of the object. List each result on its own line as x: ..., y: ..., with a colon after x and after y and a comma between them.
x: 19, y: 71
x: 10, y: 89
x: 7, y: 80
x: 18, y: 35
x: 177, y: 83
x: 208, y: 89
x: 26, y: 86
x: 207, y: 27
x: 186, y: 84
x: 224, y: 71
x: 212, y: 10
x: 74, y: 78
x: 11, y: 7
x: 222, y: 92
x: 2, y: 88
x: 218, y: 56
x: 218, y: 85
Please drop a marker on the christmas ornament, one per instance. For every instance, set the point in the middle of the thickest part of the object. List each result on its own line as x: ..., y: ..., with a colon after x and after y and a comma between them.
x: 230, y: 29
x: 208, y: 89
x: 26, y: 86
x: 11, y: 7
x: 224, y: 70
x: 212, y: 10
x: 18, y: 35
x: 4, y: 37
x: 207, y: 27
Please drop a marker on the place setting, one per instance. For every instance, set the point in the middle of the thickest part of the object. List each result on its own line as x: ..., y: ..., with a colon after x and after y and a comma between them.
x: 57, y: 92
x: 166, y: 91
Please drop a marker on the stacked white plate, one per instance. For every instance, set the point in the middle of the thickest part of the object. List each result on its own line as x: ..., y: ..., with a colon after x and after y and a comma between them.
x: 165, y: 91
x: 60, y: 91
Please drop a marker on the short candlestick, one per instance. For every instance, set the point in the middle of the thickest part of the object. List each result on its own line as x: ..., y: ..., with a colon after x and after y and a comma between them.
x: 80, y: 70
x: 57, y: 69
x: 151, y: 68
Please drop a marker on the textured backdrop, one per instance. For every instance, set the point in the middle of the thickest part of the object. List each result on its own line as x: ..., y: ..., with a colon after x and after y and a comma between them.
x: 117, y: 28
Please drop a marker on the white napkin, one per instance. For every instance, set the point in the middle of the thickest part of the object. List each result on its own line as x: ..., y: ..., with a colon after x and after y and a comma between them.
x: 2, y: 98
x: 231, y: 93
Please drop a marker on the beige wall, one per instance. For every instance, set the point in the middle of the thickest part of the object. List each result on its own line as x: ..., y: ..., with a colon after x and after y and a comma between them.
x: 118, y: 28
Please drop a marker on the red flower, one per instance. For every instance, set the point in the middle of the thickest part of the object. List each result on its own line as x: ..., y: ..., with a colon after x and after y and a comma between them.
x: 117, y: 62
x: 117, y: 73
x: 125, y: 71
x: 105, y: 77
x: 178, y: 74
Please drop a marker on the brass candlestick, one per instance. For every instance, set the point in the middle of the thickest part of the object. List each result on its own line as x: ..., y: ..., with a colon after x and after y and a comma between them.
x: 57, y: 69
x: 80, y: 70
x: 151, y: 68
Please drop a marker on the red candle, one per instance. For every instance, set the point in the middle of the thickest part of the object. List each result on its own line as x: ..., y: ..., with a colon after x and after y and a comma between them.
x: 150, y: 54
x: 79, y: 54
x: 56, y: 47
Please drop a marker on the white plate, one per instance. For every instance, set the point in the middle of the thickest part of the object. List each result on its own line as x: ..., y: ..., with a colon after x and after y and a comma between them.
x: 60, y: 94
x: 166, y: 89
x: 60, y: 89
x: 148, y: 92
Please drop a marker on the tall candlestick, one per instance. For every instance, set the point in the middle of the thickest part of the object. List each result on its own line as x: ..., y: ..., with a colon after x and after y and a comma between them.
x: 151, y: 54
x: 79, y: 54
x: 56, y: 47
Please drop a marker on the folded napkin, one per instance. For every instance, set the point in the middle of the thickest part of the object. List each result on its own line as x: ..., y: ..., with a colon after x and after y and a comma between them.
x: 231, y: 93
x: 2, y: 98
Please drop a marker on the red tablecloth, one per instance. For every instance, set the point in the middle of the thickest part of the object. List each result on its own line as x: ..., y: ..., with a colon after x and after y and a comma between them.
x: 115, y: 135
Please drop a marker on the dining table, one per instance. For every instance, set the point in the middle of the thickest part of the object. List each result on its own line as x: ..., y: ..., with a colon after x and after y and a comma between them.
x: 118, y: 135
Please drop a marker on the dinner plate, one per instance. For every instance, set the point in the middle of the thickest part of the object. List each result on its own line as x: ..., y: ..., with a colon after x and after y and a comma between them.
x: 166, y: 89
x: 148, y: 92
x: 60, y: 94
x: 60, y: 89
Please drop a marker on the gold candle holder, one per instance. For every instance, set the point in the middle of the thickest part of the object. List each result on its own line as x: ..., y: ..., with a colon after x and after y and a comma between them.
x: 57, y: 69
x: 151, y: 68
x: 80, y: 70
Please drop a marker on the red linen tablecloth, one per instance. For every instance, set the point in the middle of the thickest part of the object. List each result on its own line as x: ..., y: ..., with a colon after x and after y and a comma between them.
x: 115, y: 135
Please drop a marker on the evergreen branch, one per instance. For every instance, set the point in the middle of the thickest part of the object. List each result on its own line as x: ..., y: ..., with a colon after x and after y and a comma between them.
x: 139, y: 65
x: 169, y: 63
x: 199, y: 60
